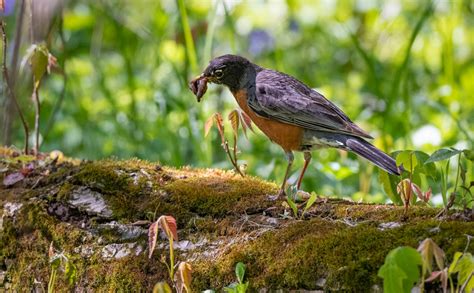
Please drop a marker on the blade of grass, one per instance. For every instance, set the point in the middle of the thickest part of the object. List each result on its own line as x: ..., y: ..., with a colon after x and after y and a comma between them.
x: 229, y: 22
x: 210, y: 34
x: 400, y: 71
x: 188, y: 38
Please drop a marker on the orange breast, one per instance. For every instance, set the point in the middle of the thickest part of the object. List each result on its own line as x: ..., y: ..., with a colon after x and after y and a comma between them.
x: 286, y: 135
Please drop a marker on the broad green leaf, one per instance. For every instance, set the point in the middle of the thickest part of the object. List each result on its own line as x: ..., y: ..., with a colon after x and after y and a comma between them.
x: 39, y: 62
x: 428, y: 169
x: 400, y: 270
x: 464, y: 266
x: 442, y: 154
x: 452, y: 266
x: 408, y: 159
x: 240, y: 272
x: 389, y: 184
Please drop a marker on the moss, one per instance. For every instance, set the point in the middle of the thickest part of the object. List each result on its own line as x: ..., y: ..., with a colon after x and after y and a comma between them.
x: 348, y: 258
x: 218, y: 196
x: 338, y: 246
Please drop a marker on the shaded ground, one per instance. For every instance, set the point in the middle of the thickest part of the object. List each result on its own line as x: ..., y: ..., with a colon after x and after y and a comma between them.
x: 97, y: 214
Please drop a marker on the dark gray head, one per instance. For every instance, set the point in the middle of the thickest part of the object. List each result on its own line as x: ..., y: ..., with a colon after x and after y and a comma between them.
x: 230, y: 70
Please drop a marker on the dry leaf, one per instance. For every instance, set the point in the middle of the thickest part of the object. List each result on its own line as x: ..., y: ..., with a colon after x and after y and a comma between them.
x: 208, y: 125
x: 13, y: 178
x: 429, y: 249
x: 234, y: 121
x: 183, y: 277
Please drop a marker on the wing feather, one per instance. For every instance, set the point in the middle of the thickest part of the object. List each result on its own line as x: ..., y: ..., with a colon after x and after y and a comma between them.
x: 284, y: 98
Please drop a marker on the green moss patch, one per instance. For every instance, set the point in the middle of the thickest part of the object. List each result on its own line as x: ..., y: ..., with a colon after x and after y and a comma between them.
x: 339, y: 245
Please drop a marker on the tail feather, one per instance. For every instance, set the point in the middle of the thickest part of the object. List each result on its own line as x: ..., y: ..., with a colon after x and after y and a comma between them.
x: 373, y: 154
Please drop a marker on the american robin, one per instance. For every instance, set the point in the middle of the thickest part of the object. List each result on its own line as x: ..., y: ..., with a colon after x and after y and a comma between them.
x: 289, y: 112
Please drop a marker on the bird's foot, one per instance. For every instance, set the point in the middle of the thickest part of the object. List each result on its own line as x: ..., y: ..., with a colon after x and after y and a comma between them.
x: 282, y: 194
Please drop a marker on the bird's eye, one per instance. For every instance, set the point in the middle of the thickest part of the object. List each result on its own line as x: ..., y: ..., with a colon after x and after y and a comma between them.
x: 218, y: 73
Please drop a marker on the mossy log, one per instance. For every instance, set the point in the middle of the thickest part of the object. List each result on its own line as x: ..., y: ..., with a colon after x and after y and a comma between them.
x: 97, y: 214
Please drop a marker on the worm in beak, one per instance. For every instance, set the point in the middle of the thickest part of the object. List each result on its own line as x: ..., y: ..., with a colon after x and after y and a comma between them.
x: 198, y: 86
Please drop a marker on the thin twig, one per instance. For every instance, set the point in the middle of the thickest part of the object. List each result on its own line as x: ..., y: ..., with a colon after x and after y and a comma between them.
x: 11, y: 93
x: 234, y: 163
x: 37, y: 116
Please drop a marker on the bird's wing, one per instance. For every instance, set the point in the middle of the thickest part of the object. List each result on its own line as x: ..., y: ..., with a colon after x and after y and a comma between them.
x: 284, y: 98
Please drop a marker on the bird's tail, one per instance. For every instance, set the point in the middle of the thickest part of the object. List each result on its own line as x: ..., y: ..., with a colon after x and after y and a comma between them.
x: 373, y: 154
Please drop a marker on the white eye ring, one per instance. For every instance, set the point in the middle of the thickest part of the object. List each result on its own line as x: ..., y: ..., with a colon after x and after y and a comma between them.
x: 218, y: 73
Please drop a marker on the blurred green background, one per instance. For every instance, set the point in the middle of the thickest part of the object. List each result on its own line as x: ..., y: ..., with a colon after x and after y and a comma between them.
x: 402, y: 69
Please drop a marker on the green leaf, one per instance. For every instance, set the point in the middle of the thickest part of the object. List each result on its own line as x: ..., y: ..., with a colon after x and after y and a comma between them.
x: 469, y: 154
x: 39, y: 62
x: 408, y: 159
x: 55, y: 262
x: 452, y: 266
x: 389, y: 184
x: 464, y: 266
x: 310, y: 201
x: 442, y: 154
x: 292, y: 205
x: 400, y: 270
x: 70, y: 271
x: 240, y: 272
x: 428, y: 169
x: 444, y: 184
x: 232, y: 288
x: 242, y: 288
x: 161, y: 287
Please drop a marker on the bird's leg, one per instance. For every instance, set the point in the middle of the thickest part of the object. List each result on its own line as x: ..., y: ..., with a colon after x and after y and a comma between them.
x: 290, y: 158
x: 307, y: 159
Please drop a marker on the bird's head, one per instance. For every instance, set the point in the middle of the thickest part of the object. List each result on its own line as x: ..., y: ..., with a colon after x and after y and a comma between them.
x: 230, y: 70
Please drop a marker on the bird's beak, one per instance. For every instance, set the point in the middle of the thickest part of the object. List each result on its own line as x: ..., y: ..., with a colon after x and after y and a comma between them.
x: 199, y: 86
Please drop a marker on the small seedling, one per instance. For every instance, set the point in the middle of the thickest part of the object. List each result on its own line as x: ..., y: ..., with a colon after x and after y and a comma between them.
x: 236, y: 118
x: 60, y: 262
x: 401, y: 271
x: 182, y: 277
x: 293, y: 196
x: 239, y: 286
